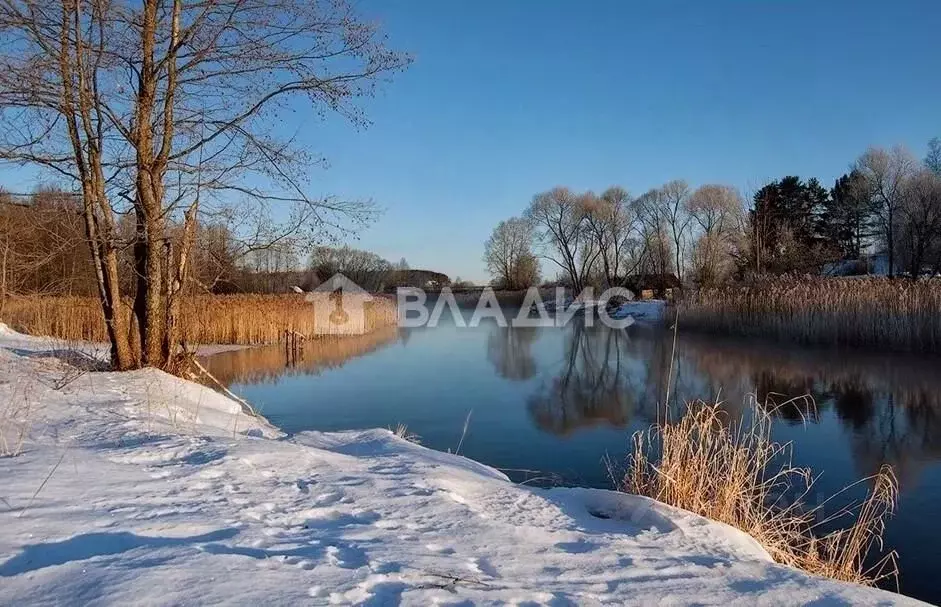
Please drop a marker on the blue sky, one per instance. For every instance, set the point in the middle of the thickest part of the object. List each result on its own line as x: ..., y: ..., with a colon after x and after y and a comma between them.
x: 507, y: 99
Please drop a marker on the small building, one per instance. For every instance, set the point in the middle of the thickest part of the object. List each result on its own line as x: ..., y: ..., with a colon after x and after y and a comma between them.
x: 649, y: 286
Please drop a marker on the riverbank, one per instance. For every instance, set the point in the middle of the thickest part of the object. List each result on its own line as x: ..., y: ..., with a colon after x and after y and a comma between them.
x: 141, y: 487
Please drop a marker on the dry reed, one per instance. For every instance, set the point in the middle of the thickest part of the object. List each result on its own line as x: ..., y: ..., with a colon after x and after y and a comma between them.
x: 401, y: 430
x: 208, y: 319
x: 736, y: 474
x: 900, y: 315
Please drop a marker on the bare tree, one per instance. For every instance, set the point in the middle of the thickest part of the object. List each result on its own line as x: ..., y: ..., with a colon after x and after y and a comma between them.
x: 933, y: 158
x: 167, y: 110
x: 717, y: 212
x: 558, y: 220
x: 366, y: 269
x: 655, y: 233
x: 920, y: 222
x: 886, y: 173
x: 613, y: 223
x: 42, y: 245
x: 673, y: 197
x: 509, y: 257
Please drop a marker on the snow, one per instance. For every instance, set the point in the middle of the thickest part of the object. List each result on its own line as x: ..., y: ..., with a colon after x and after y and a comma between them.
x: 143, y: 488
x: 12, y: 340
x: 646, y: 310
x: 649, y: 311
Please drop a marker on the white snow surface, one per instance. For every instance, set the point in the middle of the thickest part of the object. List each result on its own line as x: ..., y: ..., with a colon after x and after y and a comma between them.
x: 141, y: 488
x: 90, y: 350
x: 642, y: 310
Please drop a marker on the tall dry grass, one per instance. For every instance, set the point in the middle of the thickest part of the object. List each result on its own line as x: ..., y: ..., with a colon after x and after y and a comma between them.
x: 736, y: 474
x: 208, y: 319
x: 879, y: 312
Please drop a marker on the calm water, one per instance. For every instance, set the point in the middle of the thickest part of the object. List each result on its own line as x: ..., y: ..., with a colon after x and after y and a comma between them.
x: 548, y: 405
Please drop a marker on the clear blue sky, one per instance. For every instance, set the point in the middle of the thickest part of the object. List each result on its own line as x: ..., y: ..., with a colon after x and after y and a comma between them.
x: 507, y: 99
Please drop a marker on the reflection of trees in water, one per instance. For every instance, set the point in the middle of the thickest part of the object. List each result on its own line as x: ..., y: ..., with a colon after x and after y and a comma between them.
x: 904, y: 431
x: 791, y: 398
x: 593, y: 386
x: 889, y: 404
x: 510, y: 351
x: 269, y: 363
x: 853, y: 402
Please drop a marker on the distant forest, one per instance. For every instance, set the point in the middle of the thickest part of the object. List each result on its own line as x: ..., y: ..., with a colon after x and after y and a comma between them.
x: 882, y: 216
x: 43, y: 250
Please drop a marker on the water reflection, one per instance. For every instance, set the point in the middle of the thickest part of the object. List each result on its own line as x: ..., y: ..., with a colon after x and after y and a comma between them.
x: 890, y: 405
x: 510, y: 352
x: 593, y: 385
x: 581, y: 377
x: 270, y: 363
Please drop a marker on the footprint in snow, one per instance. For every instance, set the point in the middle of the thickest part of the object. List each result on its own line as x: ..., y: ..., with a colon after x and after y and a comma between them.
x: 577, y: 547
x: 327, y: 499
x: 348, y: 557
x: 483, y: 566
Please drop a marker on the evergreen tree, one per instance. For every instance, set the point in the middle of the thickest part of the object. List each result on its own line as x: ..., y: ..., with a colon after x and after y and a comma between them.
x: 847, y: 218
x: 786, y: 225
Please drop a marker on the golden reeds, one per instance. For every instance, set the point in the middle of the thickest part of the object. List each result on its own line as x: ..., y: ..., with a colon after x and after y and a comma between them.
x: 736, y: 474
x: 207, y: 319
x: 875, y: 312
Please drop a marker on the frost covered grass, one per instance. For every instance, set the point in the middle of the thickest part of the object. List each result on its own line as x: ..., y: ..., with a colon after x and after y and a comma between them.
x: 16, y: 413
x: 880, y: 312
x: 733, y: 472
x: 401, y: 430
x: 209, y: 319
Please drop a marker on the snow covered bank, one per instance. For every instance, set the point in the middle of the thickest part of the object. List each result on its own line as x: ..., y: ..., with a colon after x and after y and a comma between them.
x: 649, y: 311
x: 142, y: 488
x: 12, y: 340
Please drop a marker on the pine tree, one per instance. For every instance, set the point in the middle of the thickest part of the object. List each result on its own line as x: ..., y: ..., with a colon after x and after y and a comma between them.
x: 847, y: 218
x: 786, y: 224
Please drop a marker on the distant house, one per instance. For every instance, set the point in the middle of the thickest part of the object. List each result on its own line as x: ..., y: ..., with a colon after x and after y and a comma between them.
x: 648, y: 286
x: 421, y: 279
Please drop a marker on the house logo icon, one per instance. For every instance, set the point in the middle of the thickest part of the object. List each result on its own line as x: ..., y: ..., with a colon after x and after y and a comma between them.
x: 339, y: 307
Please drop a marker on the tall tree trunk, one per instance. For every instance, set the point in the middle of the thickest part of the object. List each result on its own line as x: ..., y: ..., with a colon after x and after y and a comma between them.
x: 149, y: 254
x: 890, y: 242
x: 149, y: 300
x: 176, y: 281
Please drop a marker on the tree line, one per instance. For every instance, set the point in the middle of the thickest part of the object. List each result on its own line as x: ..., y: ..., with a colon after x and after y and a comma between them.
x: 886, y: 207
x: 44, y: 251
